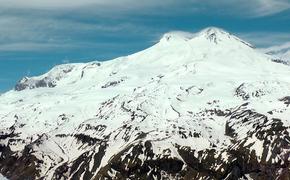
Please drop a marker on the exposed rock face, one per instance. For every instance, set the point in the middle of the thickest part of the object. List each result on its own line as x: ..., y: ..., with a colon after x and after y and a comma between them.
x: 47, y: 80
x: 193, y: 106
x: 25, y: 83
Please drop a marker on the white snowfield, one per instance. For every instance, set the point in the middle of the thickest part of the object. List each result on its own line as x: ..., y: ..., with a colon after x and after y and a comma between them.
x: 2, y: 177
x: 160, y: 91
x: 281, y: 52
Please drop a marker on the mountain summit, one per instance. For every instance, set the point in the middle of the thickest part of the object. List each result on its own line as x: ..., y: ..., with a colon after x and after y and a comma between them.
x: 211, y: 34
x: 200, y: 105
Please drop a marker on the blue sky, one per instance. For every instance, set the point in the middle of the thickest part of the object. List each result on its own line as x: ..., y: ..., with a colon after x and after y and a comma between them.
x: 36, y: 35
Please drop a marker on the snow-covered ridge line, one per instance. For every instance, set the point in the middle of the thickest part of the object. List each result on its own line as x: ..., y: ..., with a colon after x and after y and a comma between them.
x: 211, y: 33
x: 208, y: 35
x: 279, y: 53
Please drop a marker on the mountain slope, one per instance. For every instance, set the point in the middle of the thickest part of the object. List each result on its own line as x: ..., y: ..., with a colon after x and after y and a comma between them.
x: 279, y: 53
x: 193, y: 106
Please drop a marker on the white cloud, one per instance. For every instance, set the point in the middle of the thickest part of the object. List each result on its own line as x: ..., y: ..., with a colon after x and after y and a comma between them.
x: 267, y: 7
x: 27, y: 25
x: 243, y: 7
x: 265, y: 39
x: 52, y: 4
x: 254, y: 8
x: 29, y: 46
x: 22, y: 33
x: 278, y: 47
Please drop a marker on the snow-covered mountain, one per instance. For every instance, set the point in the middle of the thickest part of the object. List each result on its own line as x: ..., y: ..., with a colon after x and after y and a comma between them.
x: 2, y: 177
x: 279, y: 53
x: 193, y: 106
